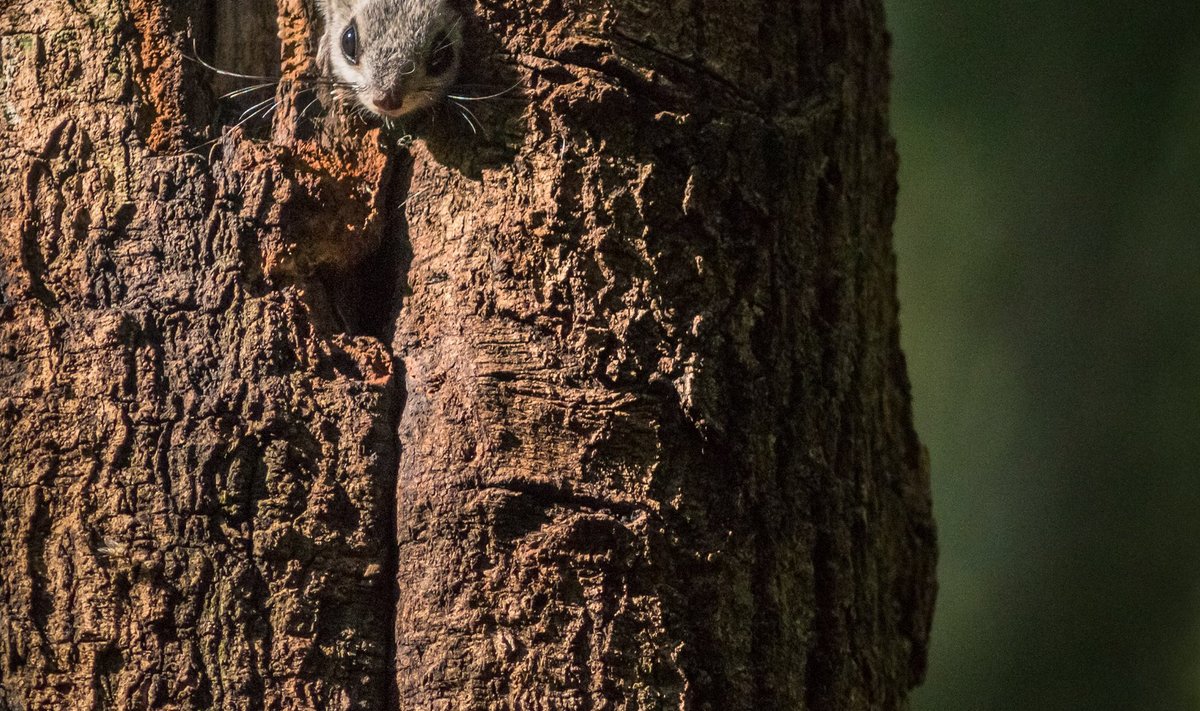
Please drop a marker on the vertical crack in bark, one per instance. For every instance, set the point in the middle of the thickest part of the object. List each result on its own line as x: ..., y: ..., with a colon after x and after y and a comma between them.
x: 105, y: 670
x: 257, y: 630
x: 366, y: 299
x: 366, y: 296
x: 383, y: 294
x: 819, y: 673
x: 41, y: 603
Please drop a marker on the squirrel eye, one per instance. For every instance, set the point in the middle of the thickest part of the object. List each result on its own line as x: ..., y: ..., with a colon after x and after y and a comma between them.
x: 350, y: 42
x: 441, y: 55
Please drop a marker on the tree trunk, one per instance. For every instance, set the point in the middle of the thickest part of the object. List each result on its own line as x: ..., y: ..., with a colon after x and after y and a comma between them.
x: 602, y: 407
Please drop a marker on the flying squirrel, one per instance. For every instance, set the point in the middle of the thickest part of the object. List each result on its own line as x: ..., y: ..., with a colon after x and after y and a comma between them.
x: 394, y: 57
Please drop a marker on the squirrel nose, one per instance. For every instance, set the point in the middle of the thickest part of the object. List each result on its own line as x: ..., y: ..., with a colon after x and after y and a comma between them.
x: 391, y: 99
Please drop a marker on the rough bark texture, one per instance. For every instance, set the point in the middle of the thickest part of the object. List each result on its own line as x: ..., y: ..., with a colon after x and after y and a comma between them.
x: 198, y: 473
x: 601, y: 408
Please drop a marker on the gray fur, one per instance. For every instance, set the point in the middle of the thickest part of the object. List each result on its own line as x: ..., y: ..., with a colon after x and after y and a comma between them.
x: 395, y: 41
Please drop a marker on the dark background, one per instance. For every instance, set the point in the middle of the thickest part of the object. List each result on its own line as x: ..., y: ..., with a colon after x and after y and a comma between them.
x: 1049, y: 252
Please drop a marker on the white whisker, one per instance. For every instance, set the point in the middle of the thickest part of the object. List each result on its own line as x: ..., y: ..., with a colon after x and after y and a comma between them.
x: 466, y: 114
x: 268, y: 80
x: 309, y: 106
x: 247, y: 90
x: 224, y: 72
x: 483, y: 98
x: 410, y: 196
x: 257, y: 107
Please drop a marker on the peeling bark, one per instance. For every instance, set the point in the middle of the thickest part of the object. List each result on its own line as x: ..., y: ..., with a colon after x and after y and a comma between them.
x: 601, y: 408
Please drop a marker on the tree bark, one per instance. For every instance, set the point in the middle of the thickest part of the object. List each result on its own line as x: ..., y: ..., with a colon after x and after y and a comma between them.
x: 602, y: 407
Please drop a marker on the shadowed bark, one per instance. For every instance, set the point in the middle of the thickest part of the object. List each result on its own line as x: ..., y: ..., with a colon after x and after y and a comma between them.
x: 601, y: 407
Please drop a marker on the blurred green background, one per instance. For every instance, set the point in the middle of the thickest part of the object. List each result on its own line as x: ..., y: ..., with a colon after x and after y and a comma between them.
x: 1049, y: 250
